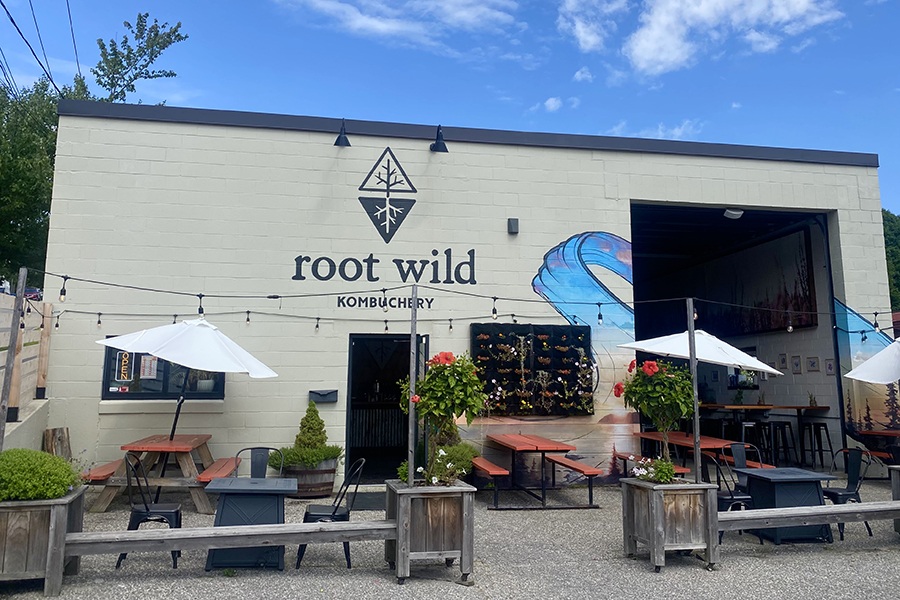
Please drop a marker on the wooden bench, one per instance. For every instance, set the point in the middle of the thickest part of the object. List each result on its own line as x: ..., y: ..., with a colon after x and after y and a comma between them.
x: 99, y: 475
x: 765, y: 518
x: 479, y: 463
x: 751, y: 464
x: 579, y: 467
x: 627, y: 456
x: 222, y: 467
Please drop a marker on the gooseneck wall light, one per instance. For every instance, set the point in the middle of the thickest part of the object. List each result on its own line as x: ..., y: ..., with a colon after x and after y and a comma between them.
x: 439, y: 145
x: 342, y: 140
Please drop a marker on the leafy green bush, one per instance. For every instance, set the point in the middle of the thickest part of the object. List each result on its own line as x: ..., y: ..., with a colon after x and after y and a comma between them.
x: 310, y: 446
x: 458, y: 457
x: 33, y: 475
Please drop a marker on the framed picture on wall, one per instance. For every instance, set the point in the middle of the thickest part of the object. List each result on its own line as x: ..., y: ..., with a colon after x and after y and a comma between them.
x: 812, y: 364
x: 829, y: 366
x: 796, y: 365
x: 782, y: 362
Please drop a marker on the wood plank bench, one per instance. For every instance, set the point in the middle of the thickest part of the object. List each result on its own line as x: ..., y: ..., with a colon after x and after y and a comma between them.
x: 765, y: 518
x: 98, y: 475
x: 627, y: 456
x: 751, y: 464
x: 579, y: 467
x: 479, y: 463
x: 222, y: 467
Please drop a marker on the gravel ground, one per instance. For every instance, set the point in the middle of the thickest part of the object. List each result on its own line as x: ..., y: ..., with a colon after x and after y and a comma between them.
x: 518, y: 554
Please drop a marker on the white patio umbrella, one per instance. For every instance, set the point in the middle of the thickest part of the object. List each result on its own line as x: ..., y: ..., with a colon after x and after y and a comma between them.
x: 883, y: 367
x: 710, y: 349
x: 195, y: 344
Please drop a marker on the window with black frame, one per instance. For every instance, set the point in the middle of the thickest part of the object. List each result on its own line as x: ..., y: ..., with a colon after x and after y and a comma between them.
x: 133, y: 376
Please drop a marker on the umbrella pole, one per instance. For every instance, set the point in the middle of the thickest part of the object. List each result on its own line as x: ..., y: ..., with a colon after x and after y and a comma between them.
x: 165, y: 456
x: 692, y: 358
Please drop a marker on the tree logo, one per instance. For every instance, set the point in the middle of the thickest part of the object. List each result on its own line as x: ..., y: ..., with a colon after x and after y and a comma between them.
x: 387, y: 211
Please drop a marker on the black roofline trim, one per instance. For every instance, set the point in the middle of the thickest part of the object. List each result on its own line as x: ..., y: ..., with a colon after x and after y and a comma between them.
x: 231, y: 118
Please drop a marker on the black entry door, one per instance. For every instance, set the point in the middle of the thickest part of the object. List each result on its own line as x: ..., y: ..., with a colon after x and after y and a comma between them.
x: 377, y: 429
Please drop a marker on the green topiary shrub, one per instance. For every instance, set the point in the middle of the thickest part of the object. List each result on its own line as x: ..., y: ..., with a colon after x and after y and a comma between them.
x: 310, y: 446
x: 32, y: 475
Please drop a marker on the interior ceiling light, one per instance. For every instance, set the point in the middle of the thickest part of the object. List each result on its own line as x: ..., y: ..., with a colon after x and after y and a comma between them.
x: 733, y: 213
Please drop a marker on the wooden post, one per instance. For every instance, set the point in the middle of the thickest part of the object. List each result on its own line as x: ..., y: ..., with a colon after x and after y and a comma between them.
x: 14, y: 335
x: 56, y: 442
x: 413, y: 355
x: 44, y: 353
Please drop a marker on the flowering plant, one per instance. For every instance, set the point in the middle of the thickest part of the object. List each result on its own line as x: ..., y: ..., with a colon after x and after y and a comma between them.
x: 662, y: 392
x: 450, y: 388
x: 658, y: 471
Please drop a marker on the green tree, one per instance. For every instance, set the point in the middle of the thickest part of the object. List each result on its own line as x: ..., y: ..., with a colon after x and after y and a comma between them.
x: 891, y: 223
x: 28, y: 122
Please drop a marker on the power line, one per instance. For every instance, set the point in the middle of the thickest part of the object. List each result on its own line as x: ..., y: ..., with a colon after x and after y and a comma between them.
x: 40, y: 39
x: 72, y: 30
x: 27, y: 43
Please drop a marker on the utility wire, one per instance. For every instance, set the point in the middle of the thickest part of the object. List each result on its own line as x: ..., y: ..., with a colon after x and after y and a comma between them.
x: 72, y: 30
x: 33, y: 53
x: 38, y: 30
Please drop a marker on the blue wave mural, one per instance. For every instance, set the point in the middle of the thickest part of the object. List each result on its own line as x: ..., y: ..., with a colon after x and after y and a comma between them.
x: 566, y: 282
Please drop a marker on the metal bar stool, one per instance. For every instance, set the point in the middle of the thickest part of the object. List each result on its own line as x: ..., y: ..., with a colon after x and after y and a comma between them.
x: 813, y: 430
x: 782, y: 443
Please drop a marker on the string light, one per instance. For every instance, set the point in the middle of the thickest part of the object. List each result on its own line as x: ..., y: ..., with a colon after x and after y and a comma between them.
x: 863, y: 338
x: 790, y: 327
x: 57, y: 322
x: 385, y: 326
x: 384, y: 299
x: 174, y: 319
x: 99, y: 323
x: 514, y: 318
x: 451, y: 324
x: 248, y: 317
x: 62, y: 290
x: 317, y: 323
x: 875, y: 324
x: 695, y: 314
x: 200, y: 308
x: 494, y: 309
x: 599, y: 314
x: 28, y: 309
x: 21, y: 324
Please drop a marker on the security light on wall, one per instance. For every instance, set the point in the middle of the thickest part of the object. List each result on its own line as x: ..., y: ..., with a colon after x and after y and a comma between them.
x: 439, y: 145
x: 342, y: 140
x: 733, y: 213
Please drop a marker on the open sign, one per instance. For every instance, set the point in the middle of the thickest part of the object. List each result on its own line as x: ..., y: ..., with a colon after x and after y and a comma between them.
x: 124, y: 366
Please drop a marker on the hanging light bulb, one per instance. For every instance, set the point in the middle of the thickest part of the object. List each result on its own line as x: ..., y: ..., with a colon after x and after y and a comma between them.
x: 451, y: 324
x: 695, y: 314
x: 99, y: 323
x: 385, y: 326
x: 28, y: 309
x: 494, y: 309
x: 21, y: 324
x: 863, y: 338
x: 790, y: 327
x: 875, y: 324
x: 57, y: 322
x: 599, y: 314
x: 514, y: 318
x: 174, y: 319
x: 317, y: 323
x: 62, y: 290
x: 384, y: 299
x: 200, y: 308
x: 248, y: 317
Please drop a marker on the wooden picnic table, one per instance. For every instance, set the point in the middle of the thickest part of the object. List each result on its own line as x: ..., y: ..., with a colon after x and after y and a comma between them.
x: 153, y: 451
x: 520, y: 443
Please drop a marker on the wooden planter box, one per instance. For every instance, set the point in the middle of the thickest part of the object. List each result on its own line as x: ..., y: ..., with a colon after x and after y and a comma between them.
x: 32, y: 538
x: 676, y: 516
x: 433, y: 522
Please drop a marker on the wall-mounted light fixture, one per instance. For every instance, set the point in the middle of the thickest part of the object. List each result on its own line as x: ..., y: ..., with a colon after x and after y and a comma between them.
x: 439, y: 145
x: 733, y: 213
x: 342, y: 140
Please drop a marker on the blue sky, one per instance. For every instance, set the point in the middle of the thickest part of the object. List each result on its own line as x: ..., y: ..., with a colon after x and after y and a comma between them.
x: 820, y: 74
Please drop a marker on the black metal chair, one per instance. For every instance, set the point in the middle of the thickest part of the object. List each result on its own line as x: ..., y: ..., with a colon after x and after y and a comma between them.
x: 339, y: 510
x: 142, y: 509
x: 728, y: 496
x: 739, y: 454
x: 857, y: 462
x: 259, y: 460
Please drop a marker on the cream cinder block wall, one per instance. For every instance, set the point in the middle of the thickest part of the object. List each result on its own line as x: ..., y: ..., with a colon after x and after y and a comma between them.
x: 147, y: 199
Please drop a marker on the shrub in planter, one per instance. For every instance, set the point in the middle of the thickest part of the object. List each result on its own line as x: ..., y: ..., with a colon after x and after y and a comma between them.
x: 33, y: 475
x: 311, y: 459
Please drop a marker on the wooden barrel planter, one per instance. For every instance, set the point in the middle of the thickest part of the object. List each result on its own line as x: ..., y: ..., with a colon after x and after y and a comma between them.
x: 663, y: 517
x: 313, y: 483
x: 32, y: 536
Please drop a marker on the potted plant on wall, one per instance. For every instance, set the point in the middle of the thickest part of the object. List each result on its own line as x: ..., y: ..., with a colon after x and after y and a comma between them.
x: 438, y: 507
x: 41, y: 499
x: 658, y: 510
x: 311, y: 460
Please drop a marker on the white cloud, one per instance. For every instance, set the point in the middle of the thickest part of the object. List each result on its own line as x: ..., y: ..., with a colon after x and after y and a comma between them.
x: 574, y: 102
x: 686, y: 129
x: 583, y: 74
x: 552, y: 104
x: 615, y: 77
x: 618, y: 129
x: 736, y: 105
x: 803, y: 45
x: 590, y: 22
x: 672, y: 32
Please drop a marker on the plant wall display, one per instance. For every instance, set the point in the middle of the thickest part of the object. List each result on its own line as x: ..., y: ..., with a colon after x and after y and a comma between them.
x: 535, y: 369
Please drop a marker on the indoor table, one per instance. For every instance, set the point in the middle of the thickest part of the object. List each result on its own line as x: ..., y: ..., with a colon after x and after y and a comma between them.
x: 249, y: 501
x: 517, y: 444
x: 788, y: 486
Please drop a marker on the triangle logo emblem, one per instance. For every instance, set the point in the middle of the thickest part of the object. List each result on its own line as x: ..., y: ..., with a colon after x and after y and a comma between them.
x: 387, y: 214
x: 390, y: 208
